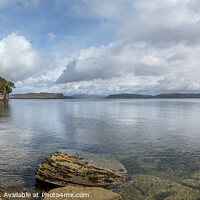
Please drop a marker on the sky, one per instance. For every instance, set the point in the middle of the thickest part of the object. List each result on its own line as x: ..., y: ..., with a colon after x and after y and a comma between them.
x: 101, y: 47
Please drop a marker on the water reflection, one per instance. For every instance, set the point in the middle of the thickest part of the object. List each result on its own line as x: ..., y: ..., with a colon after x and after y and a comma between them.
x: 4, y: 109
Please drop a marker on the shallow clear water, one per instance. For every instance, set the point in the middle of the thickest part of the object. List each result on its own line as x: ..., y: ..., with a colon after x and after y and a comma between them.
x: 147, y: 136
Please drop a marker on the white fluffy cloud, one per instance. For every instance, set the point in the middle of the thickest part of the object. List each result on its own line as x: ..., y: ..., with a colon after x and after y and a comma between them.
x: 18, y: 59
x: 158, y: 41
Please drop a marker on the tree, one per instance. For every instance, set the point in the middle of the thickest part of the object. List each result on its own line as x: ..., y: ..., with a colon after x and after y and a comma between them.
x: 6, y: 88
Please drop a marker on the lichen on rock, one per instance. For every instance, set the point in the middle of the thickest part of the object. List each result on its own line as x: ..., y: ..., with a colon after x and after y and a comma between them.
x: 61, y: 169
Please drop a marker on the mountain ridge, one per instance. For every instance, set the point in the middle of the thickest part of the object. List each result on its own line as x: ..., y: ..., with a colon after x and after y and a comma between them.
x: 46, y: 95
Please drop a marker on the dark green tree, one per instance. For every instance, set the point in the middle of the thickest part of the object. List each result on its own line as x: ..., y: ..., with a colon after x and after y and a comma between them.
x: 6, y: 88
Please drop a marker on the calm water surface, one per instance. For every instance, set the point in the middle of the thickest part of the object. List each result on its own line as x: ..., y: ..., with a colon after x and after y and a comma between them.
x: 165, y: 132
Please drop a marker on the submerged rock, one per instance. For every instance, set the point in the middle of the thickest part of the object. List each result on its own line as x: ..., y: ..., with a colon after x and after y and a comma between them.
x: 196, y: 175
x: 14, y: 181
x: 154, y: 188
x: 61, y: 169
x: 89, y: 193
x: 105, y: 161
x: 193, y: 183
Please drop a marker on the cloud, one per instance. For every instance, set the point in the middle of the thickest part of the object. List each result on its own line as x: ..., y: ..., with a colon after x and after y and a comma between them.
x: 158, y: 41
x: 18, y: 59
x: 163, y: 23
x: 113, y: 60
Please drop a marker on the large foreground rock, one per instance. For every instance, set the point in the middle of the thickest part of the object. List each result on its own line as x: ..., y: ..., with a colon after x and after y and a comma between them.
x: 91, y: 193
x: 61, y: 169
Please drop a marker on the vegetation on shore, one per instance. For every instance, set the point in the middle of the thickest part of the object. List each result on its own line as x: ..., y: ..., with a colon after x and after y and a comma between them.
x: 6, y: 88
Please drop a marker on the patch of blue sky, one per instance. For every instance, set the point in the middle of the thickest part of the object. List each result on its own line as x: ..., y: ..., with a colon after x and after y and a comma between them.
x: 37, y: 22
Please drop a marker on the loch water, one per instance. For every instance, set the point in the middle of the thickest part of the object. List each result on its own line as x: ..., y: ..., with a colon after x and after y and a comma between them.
x: 159, y: 137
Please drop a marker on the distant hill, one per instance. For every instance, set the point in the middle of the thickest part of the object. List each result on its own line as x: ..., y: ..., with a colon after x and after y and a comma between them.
x: 129, y: 96
x: 177, y: 95
x: 44, y: 95
x: 41, y: 95
x: 85, y: 96
x: 164, y: 96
